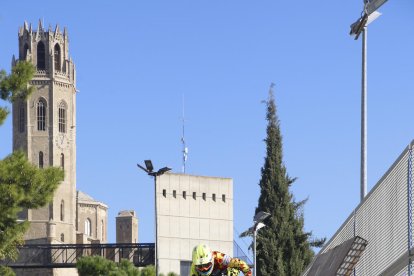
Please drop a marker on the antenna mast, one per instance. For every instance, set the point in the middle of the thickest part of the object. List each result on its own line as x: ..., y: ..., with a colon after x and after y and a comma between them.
x: 185, y: 149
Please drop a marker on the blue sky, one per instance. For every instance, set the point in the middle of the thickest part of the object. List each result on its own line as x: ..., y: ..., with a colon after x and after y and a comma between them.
x: 136, y: 59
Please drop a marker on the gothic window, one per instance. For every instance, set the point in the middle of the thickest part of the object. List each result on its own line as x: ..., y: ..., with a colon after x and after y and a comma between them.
x: 62, y: 117
x: 88, y: 231
x: 62, y: 210
x: 41, y: 159
x: 41, y: 57
x: 57, y: 57
x: 21, y: 118
x: 41, y: 115
x: 25, y: 48
x: 62, y: 161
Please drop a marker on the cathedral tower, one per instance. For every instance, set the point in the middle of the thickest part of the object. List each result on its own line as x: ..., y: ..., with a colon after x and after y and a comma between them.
x: 44, y: 126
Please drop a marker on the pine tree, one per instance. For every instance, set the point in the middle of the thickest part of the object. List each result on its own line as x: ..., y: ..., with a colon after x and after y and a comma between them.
x: 283, y: 248
x: 22, y: 185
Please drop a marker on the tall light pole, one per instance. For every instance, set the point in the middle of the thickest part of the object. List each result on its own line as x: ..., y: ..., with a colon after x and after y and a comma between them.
x: 360, y: 26
x: 149, y: 169
x: 252, y: 231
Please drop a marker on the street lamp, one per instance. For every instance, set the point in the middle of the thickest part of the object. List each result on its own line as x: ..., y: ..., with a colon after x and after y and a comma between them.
x: 360, y: 26
x: 149, y: 169
x: 252, y: 231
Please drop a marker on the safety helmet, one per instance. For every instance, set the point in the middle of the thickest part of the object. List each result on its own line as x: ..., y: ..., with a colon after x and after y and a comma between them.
x: 203, y: 259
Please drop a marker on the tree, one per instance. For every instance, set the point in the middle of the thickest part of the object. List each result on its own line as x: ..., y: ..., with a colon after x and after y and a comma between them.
x: 99, y: 266
x: 283, y: 248
x: 22, y: 185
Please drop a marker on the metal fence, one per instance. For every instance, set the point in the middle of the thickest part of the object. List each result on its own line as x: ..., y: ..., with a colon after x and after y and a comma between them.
x: 384, y: 219
x: 66, y: 255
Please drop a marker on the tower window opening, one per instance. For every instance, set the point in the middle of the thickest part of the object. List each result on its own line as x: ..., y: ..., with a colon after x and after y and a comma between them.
x: 62, y: 117
x: 25, y: 49
x: 164, y: 193
x: 57, y: 57
x: 223, y: 197
x: 194, y: 195
x: 184, y: 194
x: 62, y: 161
x: 22, y: 120
x: 214, y: 197
x: 174, y: 193
x: 62, y: 210
x: 41, y: 159
x: 41, y: 115
x: 41, y: 57
x: 204, y: 196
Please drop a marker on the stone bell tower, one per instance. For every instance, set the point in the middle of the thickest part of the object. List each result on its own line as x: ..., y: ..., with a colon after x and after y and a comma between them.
x: 44, y: 126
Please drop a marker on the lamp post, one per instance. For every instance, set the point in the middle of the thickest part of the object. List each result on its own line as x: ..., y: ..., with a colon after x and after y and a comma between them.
x: 360, y: 26
x: 149, y: 169
x: 252, y: 231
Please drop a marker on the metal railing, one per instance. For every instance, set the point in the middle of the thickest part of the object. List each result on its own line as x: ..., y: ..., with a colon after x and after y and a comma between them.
x: 66, y: 255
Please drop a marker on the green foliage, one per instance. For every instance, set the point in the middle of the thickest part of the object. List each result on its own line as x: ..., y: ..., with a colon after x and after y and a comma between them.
x: 22, y: 185
x: 95, y: 266
x: 283, y: 248
x: 99, y: 266
x: 15, y: 86
x: 148, y: 271
x: 6, y: 271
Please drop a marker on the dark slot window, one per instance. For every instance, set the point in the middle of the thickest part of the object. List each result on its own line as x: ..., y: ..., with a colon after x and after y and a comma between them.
x: 174, y: 193
x: 22, y: 120
x: 184, y: 194
x: 62, y: 210
x: 223, y: 197
x: 164, y: 193
x: 25, y: 48
x: 214, y: 197
x: 62, y: 161
x: 204, y: 196
x: 41, y: 159
x: 194, y: 195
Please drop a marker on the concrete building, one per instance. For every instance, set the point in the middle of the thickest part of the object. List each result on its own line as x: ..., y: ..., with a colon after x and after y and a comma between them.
x: 192, y: 210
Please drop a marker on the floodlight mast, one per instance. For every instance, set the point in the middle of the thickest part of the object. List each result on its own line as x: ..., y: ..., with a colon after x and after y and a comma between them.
x: 360, y: 26
x: 149, y: 170
x: 252, y: 231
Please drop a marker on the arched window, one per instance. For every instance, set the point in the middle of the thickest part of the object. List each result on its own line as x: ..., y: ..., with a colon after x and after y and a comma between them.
x: 41, y: 57
x: 62, y: 210
x: 41, y: 159
x: 22, y: 120
x: 88, y: 229
x: 41, y: 115
x: 62, y: 161
x: 25, y: 48
x: 62, y: 117
x: 57, y: 57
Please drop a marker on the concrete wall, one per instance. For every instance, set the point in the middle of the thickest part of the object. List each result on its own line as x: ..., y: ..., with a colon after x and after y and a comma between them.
x: 192, y: 210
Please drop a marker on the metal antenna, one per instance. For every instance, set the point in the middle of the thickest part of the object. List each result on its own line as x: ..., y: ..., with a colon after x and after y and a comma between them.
x: 185, y: 149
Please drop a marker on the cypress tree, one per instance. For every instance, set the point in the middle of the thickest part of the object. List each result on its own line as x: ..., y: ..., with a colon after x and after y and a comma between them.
x: 283, y: 248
